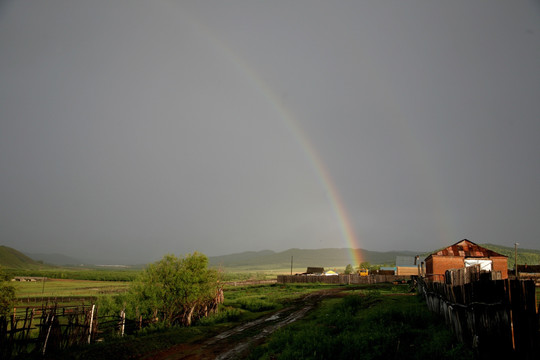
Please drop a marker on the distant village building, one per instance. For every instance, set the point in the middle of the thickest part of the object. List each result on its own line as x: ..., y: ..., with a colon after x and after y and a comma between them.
x: 29, y: 278
x: 406, y: 266
x: 314, y: 271
x: 462, y: 254
x: 386, y: 270
x: 529, y: 272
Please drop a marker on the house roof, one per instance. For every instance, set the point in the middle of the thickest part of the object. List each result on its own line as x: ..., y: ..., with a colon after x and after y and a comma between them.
x: 314, y: 270
x: 466, y: 248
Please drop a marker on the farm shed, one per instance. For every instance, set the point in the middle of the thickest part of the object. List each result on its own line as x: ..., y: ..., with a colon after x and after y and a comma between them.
x: 461, y: 254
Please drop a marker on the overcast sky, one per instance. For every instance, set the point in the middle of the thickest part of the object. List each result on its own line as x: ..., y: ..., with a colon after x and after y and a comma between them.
x: 131, y: 129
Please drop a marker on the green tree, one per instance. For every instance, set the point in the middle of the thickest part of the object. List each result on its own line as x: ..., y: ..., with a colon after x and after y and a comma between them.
x: 7, y: 295
x: 349, y: 269
x: 364, y: 265
x: 177, y: 290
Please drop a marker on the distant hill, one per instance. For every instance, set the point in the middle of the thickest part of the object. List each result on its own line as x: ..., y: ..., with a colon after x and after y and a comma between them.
x: 266, y: 259
x: 55, y: 259
x: 524, y: 256
x: 332, y: 257
x: 239, y: 258
x: 13, y: 259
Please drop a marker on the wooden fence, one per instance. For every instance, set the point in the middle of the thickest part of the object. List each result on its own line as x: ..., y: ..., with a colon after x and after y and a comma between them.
x: 469, y: 274
x: 496, y: 317
x: 250, y: 282
x: 341, y: 279
x: 48, y: 329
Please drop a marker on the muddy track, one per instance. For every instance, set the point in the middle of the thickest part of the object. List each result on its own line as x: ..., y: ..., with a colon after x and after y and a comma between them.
x: 235, y: 343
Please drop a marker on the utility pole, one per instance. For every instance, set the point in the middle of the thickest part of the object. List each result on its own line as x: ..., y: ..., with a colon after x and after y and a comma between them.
x: 515, y: 260
x: 291, y: 264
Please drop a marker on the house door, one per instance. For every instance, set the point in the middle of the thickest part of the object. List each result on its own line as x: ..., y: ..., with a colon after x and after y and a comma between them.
x: 485, y: 264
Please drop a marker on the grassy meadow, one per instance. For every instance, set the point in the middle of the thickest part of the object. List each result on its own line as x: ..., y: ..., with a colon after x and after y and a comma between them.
x: 375, y: 322
x: 242, y: 304
x: 61, y: 291
x: 77, y: 274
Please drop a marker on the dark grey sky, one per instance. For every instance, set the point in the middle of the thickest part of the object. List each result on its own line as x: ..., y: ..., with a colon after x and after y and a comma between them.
x: 131, y: 129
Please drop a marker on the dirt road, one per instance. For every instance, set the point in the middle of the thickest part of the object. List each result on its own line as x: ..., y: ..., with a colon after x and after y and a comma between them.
x: 236, y: 342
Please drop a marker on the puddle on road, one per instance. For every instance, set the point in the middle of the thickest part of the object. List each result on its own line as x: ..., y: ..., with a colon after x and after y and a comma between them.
x: 273, y: 317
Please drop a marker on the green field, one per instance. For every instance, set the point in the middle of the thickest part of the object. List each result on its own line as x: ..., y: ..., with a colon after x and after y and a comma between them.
x: 64, y: 292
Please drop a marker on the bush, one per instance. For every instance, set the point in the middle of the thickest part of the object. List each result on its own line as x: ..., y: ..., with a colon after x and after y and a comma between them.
x: 7, y: 295
x: 175, y: 290
x: 109, y: 305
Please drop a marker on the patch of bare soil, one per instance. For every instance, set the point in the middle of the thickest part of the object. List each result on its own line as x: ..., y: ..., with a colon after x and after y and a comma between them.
x: 236, y: 342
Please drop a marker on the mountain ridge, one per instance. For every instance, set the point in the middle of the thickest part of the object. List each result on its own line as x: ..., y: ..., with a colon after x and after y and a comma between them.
x: 14, y: 259
x: 267, y: 259
x: 327, y: 257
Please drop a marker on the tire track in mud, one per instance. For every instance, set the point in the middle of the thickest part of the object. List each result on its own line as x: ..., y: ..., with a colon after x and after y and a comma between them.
x: 235, y: 343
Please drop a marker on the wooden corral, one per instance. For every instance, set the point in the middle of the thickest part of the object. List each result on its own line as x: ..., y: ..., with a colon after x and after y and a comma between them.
x: 39, y: 331
x: 58, y: 328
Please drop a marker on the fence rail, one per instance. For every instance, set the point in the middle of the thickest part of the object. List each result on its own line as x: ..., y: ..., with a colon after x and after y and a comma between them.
x: 250, y: 282
x: 342, y: 279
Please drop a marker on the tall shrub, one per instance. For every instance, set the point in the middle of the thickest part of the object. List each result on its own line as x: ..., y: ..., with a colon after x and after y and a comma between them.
x: 177, y: 290
x: 7, y: 295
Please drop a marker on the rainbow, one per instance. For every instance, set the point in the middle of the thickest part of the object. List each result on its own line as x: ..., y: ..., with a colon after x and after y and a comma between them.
x: 332, y: 193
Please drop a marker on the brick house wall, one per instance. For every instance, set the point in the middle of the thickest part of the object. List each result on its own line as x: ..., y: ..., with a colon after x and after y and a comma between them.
x: 436, y: 266
x: 501, y: 264
x: 453, y: 257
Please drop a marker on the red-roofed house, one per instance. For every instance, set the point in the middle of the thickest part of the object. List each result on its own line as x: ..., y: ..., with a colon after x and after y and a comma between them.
x: 461, y: 254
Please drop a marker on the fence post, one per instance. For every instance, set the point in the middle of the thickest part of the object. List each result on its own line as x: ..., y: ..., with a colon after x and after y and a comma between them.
x: 123, y: 315
x: 30, y: 323
x: 48, y: 333
x: 91, y: 322
x: 509, y: 300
